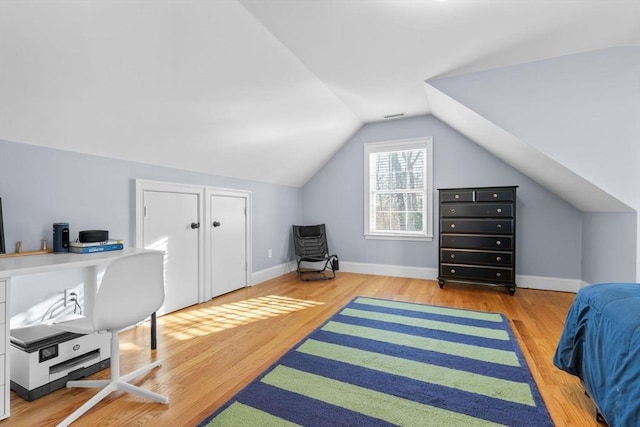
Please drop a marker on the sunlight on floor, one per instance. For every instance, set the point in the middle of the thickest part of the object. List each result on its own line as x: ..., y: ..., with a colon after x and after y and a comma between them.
x: 204, y: 321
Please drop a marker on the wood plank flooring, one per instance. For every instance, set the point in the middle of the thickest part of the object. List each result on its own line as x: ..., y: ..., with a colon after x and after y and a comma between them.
x: 210, y: 351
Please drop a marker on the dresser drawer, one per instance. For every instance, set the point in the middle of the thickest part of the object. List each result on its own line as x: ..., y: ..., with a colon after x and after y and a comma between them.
x: 466, y: 272
x: 457, y: 196
x: 504, y: 259
x: 469, y: 241
x: 479, y: 210
x: 497, y: 195
x: 486, y: 226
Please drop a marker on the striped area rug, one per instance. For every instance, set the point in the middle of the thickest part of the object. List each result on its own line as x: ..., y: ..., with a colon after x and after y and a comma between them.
x: 380, y: 362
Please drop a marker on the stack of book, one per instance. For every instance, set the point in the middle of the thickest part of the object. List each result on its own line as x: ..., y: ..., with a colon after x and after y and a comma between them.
x: 89, y: 248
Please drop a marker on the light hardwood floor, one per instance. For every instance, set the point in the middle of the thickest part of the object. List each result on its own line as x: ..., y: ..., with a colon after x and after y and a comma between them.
x: 211, y: 350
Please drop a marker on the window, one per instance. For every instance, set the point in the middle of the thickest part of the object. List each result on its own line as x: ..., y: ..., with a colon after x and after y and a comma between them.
x: 398, y: 193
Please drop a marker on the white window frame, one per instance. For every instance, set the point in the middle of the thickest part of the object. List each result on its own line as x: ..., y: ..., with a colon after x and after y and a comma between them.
x: 425, y: 143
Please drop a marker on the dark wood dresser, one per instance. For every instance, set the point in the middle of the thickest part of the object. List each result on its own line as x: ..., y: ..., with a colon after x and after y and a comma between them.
x: 478, y: 236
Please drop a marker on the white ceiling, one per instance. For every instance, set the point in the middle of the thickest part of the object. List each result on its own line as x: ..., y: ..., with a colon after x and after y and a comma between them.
x: 266, y: 90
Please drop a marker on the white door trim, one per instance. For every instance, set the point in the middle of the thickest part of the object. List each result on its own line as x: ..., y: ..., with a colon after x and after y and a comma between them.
x: 214, y: 191
x: 168, y: 187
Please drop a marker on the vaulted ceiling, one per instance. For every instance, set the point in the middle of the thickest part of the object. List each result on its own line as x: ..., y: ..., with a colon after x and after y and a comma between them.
x: 266, y: 90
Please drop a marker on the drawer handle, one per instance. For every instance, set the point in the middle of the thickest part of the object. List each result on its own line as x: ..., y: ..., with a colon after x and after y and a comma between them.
x: 495, y: 195
x: 457, y: 196
x: 453, y: 271
x: 453, y: 226
x: 453, y: 256
x: 498, y: 258
x: 499, y: 226
x: 498, y: 242
x: 453, y: 211
x: 498, y: 274
x: 499, y: 210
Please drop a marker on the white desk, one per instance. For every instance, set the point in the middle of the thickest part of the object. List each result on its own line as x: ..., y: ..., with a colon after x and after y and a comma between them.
x: 18, y: 266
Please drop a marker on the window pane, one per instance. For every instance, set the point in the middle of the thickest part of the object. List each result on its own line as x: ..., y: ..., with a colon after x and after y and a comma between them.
x: 399, y: 170
x: 382, y: 221
x: 382, y: 171
x: 399, y: 221
x: 414, y: 221
x: 384, y: 202
x: 398, y: 211
x: 414, y: 201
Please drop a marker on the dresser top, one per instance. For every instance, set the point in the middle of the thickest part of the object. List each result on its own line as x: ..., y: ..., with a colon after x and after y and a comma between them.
x: 508, y: 187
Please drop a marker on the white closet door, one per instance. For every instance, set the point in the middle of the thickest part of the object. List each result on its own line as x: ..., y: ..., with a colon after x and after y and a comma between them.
x: 171, y: 224
x: 228, y: 243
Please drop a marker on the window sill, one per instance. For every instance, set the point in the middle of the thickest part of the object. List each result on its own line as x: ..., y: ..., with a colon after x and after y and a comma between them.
x: 387, y: 236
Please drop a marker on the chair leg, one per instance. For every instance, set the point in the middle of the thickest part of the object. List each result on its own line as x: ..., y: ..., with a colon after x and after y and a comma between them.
x: 88, y: 405
x: 87, y: 383
x: 116, y: 383
x: 141, y: 371
x: 328, y: 272
x: 139, y: 391
x: 298, y: 271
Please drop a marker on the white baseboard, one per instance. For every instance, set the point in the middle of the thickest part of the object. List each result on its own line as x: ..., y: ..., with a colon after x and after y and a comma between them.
x: 390, y: 270
x: 523, y: 281
x: 272, y: 272
x: 549, y: 283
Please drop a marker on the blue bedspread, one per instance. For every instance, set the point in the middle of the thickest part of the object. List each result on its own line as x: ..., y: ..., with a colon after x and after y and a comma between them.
x: 601, y: 345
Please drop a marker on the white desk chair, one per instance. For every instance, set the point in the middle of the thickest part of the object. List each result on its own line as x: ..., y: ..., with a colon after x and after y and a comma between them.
x: 131, y: 289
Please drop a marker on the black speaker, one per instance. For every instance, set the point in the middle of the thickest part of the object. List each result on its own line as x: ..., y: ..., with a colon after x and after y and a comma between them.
x: 92, y: 236
x: 60, y: 237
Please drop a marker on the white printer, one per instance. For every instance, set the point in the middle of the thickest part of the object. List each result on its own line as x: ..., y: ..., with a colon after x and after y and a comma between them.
x: 43, y: 358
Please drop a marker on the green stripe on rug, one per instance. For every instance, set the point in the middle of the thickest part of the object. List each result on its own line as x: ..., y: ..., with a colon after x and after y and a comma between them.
x: 239, y: 414
x: 372, y: 403
x: 446, y: 347
x: 511, y: 391
x: 476, y: 331
x: 420, y: 308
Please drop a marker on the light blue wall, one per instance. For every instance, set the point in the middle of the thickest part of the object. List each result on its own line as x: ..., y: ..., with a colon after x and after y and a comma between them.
x: 40, y: 186
x: 608, y: 251
x: 549, y: 229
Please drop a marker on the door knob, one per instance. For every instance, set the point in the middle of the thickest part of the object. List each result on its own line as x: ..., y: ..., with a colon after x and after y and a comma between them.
x: 195, y: 225
x: 216, y: 223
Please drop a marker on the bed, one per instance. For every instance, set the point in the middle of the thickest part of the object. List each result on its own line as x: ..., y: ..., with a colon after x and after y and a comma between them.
x: 600, y: 344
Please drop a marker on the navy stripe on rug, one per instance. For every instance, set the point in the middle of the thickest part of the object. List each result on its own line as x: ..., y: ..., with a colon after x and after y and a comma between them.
x: 287, y: 405
x: 427, y: 333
